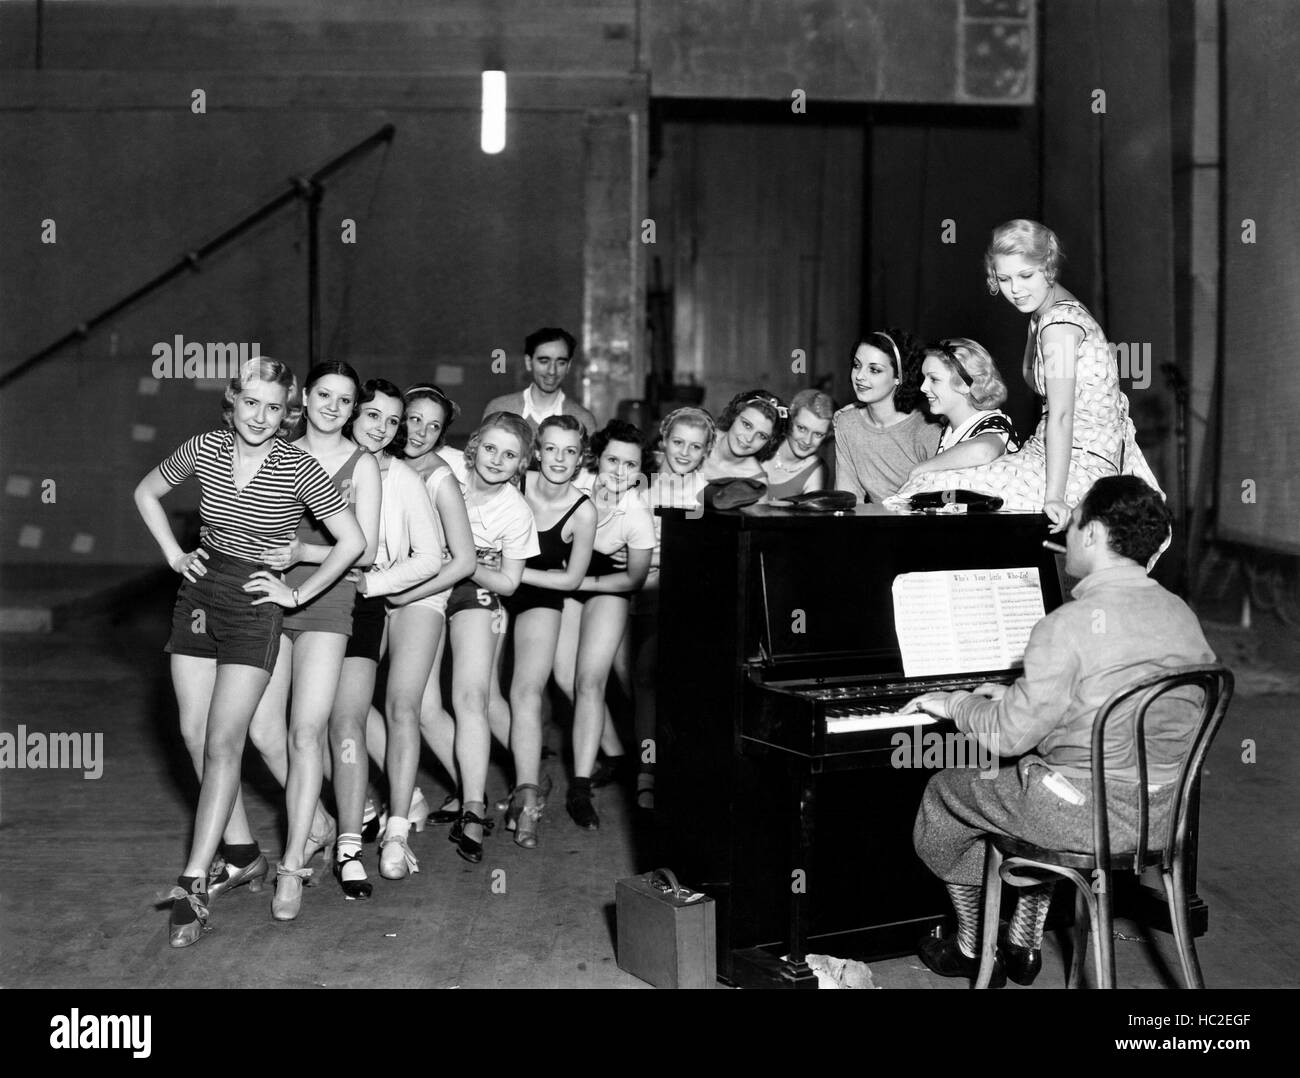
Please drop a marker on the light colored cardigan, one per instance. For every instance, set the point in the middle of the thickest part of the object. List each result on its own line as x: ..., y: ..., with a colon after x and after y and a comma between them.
x: 410, y: 541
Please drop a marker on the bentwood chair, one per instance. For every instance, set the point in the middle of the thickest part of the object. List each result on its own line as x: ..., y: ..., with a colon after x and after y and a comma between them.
x: 1022, y: 864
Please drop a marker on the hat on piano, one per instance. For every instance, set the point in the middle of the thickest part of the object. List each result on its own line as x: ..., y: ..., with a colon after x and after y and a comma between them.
x: 823, y: 501
x: 733, y: 493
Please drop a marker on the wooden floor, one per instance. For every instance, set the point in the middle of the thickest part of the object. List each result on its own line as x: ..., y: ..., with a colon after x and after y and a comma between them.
x: 84, y: 861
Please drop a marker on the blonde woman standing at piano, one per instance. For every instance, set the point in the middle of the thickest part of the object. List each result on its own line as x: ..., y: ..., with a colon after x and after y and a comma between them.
x: 1085, y: 432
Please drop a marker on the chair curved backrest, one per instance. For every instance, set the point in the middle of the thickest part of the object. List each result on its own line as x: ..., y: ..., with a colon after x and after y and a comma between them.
x: 1216, y: 682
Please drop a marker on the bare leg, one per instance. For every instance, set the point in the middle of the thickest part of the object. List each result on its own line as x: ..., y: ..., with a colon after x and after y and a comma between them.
x: 436, y: 726
x: 317, y: 661
x: 412, y: 645
x: 498, y: 709
x: 269, y: 730
x: 473, y: 650
x: 235, y: 693
x: 346, y: 735
x: 603, y: 620
x: 376, y: 736
x: 536, y: 634
x: 194, y: 679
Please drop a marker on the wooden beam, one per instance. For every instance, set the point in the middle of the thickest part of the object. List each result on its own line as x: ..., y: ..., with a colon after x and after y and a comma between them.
x: 117, y: 91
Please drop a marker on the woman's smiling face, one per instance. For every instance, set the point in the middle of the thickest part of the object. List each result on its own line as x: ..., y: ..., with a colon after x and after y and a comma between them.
x: 1023, y: 283
x: 560, y: 454
x: 684, y: 447
x: 425, y: 421
x: 874, y: 378
x: 619, y: 467
x: 937, y: 386
x: 377, y: 422
x: 258, y: 411
x: 498, y: 455
x: 329, y: 402
x: 750, y: 433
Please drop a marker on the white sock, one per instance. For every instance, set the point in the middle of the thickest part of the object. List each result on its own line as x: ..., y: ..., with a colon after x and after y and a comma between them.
x: 352, y: 870
x: 398, y: 827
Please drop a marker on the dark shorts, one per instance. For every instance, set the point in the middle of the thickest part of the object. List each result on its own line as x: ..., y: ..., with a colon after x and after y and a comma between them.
x: 368, y: 618
x: 329, y: 612
x: 214, y: 617
x: 583, y: 596
x: 527, y: 597
x: 469, y: 596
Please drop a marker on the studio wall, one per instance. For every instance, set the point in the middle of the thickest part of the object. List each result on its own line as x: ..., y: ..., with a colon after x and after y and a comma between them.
x: 1259, y: 483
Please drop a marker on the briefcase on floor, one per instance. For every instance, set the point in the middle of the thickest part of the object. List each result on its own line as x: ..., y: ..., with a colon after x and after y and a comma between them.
x: 667, y: 934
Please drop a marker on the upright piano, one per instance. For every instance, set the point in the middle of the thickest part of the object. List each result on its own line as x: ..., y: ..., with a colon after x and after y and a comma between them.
x: 780, y: 794
x: 781, y: 788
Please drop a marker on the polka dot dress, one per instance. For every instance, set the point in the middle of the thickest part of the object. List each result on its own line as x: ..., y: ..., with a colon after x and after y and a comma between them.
x: 1104, y: 438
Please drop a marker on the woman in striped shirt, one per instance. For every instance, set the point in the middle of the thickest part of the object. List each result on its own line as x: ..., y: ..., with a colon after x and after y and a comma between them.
x: 226, y: 623
x: 315, y: 636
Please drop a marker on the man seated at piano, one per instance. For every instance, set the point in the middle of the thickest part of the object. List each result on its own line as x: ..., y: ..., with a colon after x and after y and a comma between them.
x: 1120, y: 626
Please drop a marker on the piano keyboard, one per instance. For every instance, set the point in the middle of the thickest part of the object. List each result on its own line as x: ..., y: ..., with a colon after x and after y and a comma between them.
x: 867, y: 716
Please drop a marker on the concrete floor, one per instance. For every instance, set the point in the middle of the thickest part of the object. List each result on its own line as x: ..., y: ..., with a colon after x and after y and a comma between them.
x: 84, y: 860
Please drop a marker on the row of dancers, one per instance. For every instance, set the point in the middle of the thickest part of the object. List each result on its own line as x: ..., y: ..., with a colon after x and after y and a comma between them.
x: 368, y: 538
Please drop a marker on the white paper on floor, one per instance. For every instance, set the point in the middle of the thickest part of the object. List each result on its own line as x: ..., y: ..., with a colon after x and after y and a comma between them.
x: 835, y: 972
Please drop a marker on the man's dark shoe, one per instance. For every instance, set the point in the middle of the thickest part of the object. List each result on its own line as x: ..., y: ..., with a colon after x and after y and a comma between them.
x: 944, y: 957
x: 1021, y: 964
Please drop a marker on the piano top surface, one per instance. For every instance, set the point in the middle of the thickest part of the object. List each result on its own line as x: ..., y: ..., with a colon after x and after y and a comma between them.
x: 763, y: 517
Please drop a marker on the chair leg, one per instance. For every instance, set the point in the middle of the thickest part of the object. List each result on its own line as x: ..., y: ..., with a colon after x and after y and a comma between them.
x: 1105, y: 933
x: 992, y: 914
x: 1176, y: 894
x: 1082, y: 922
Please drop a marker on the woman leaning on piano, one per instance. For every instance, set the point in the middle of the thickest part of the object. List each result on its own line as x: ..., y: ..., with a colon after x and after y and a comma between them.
x: 1085, y: 432
x: 882, y: 436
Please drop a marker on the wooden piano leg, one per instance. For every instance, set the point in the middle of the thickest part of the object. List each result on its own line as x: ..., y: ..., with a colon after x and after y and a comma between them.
x: 804, y: 793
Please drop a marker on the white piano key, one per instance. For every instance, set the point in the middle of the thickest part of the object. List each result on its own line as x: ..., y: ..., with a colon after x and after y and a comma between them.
x: 852, y: 723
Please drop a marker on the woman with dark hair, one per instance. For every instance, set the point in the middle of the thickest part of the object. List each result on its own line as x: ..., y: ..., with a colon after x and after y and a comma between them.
x: 427, y: 421
x: 750, y: 431
x: 315, y: 635
x: 964, y: 388
x: 566, y: 529
x: 427, y: 416
x: 595, y: 616
x: 408, y: 553
x: 1085, y: 432
x: 224, y: 643
x: 881, y: 438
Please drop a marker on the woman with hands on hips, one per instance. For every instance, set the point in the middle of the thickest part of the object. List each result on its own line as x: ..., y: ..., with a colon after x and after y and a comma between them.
x: 316, y: 633
x: 254, y: 488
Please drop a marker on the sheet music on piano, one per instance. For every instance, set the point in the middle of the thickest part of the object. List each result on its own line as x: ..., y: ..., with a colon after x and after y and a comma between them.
x: 961, y: 621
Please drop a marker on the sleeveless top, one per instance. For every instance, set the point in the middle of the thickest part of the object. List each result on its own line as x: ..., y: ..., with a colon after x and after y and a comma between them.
x: 555, y: 551
x: 309, y: 529
x: 993, y: 421
x: 793, y: 483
